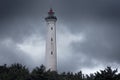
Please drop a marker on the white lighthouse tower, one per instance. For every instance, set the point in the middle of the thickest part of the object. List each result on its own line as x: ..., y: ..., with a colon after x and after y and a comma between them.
x: 51, y: 52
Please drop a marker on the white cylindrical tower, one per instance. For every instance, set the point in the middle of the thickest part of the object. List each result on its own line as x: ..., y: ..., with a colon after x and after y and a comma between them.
x: 51, y: 52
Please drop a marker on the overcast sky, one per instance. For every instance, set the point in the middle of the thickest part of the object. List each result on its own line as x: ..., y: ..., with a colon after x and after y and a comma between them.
x: 88, y: 33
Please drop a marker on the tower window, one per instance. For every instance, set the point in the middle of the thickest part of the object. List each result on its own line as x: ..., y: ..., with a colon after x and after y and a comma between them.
x: 51, y: 39
x: 51, y: 28
x: 51, y: 53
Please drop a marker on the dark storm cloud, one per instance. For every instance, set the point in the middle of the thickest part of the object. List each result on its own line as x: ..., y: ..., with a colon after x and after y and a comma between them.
x: 81, y: 12
x: 26, y: 15
x: 19, y: 7
x: 20, y: 18
x: 98, y: 20
x: 10, y: 55
x: 100, y: 44
x: 75, y: 63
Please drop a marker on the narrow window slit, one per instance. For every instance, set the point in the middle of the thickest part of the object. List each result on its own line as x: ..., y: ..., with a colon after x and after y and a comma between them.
x: 51, y: 28
x: 51, y: 39
x: 51, y: 53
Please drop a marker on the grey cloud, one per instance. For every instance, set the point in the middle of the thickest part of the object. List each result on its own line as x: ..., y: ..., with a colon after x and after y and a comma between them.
x: 10, y: 54
x: 81, y: 12
x: 19, y: 19
x: 101, y: 44
x: 19, y: 15
x: 75, y: 63
x: 98, y: 20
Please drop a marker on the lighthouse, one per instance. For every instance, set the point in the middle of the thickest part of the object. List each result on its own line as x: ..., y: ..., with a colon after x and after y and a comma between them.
x: 51, y: 51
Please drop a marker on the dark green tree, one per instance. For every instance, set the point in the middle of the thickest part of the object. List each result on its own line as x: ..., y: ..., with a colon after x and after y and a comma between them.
x: 89, y: 77
x: 20, y: 72
x: 14, y: 72
x: 107, y: 74
x: 38, y: 73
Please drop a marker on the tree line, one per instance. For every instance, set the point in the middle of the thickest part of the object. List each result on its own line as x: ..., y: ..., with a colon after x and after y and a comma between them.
x: 20, y: 72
